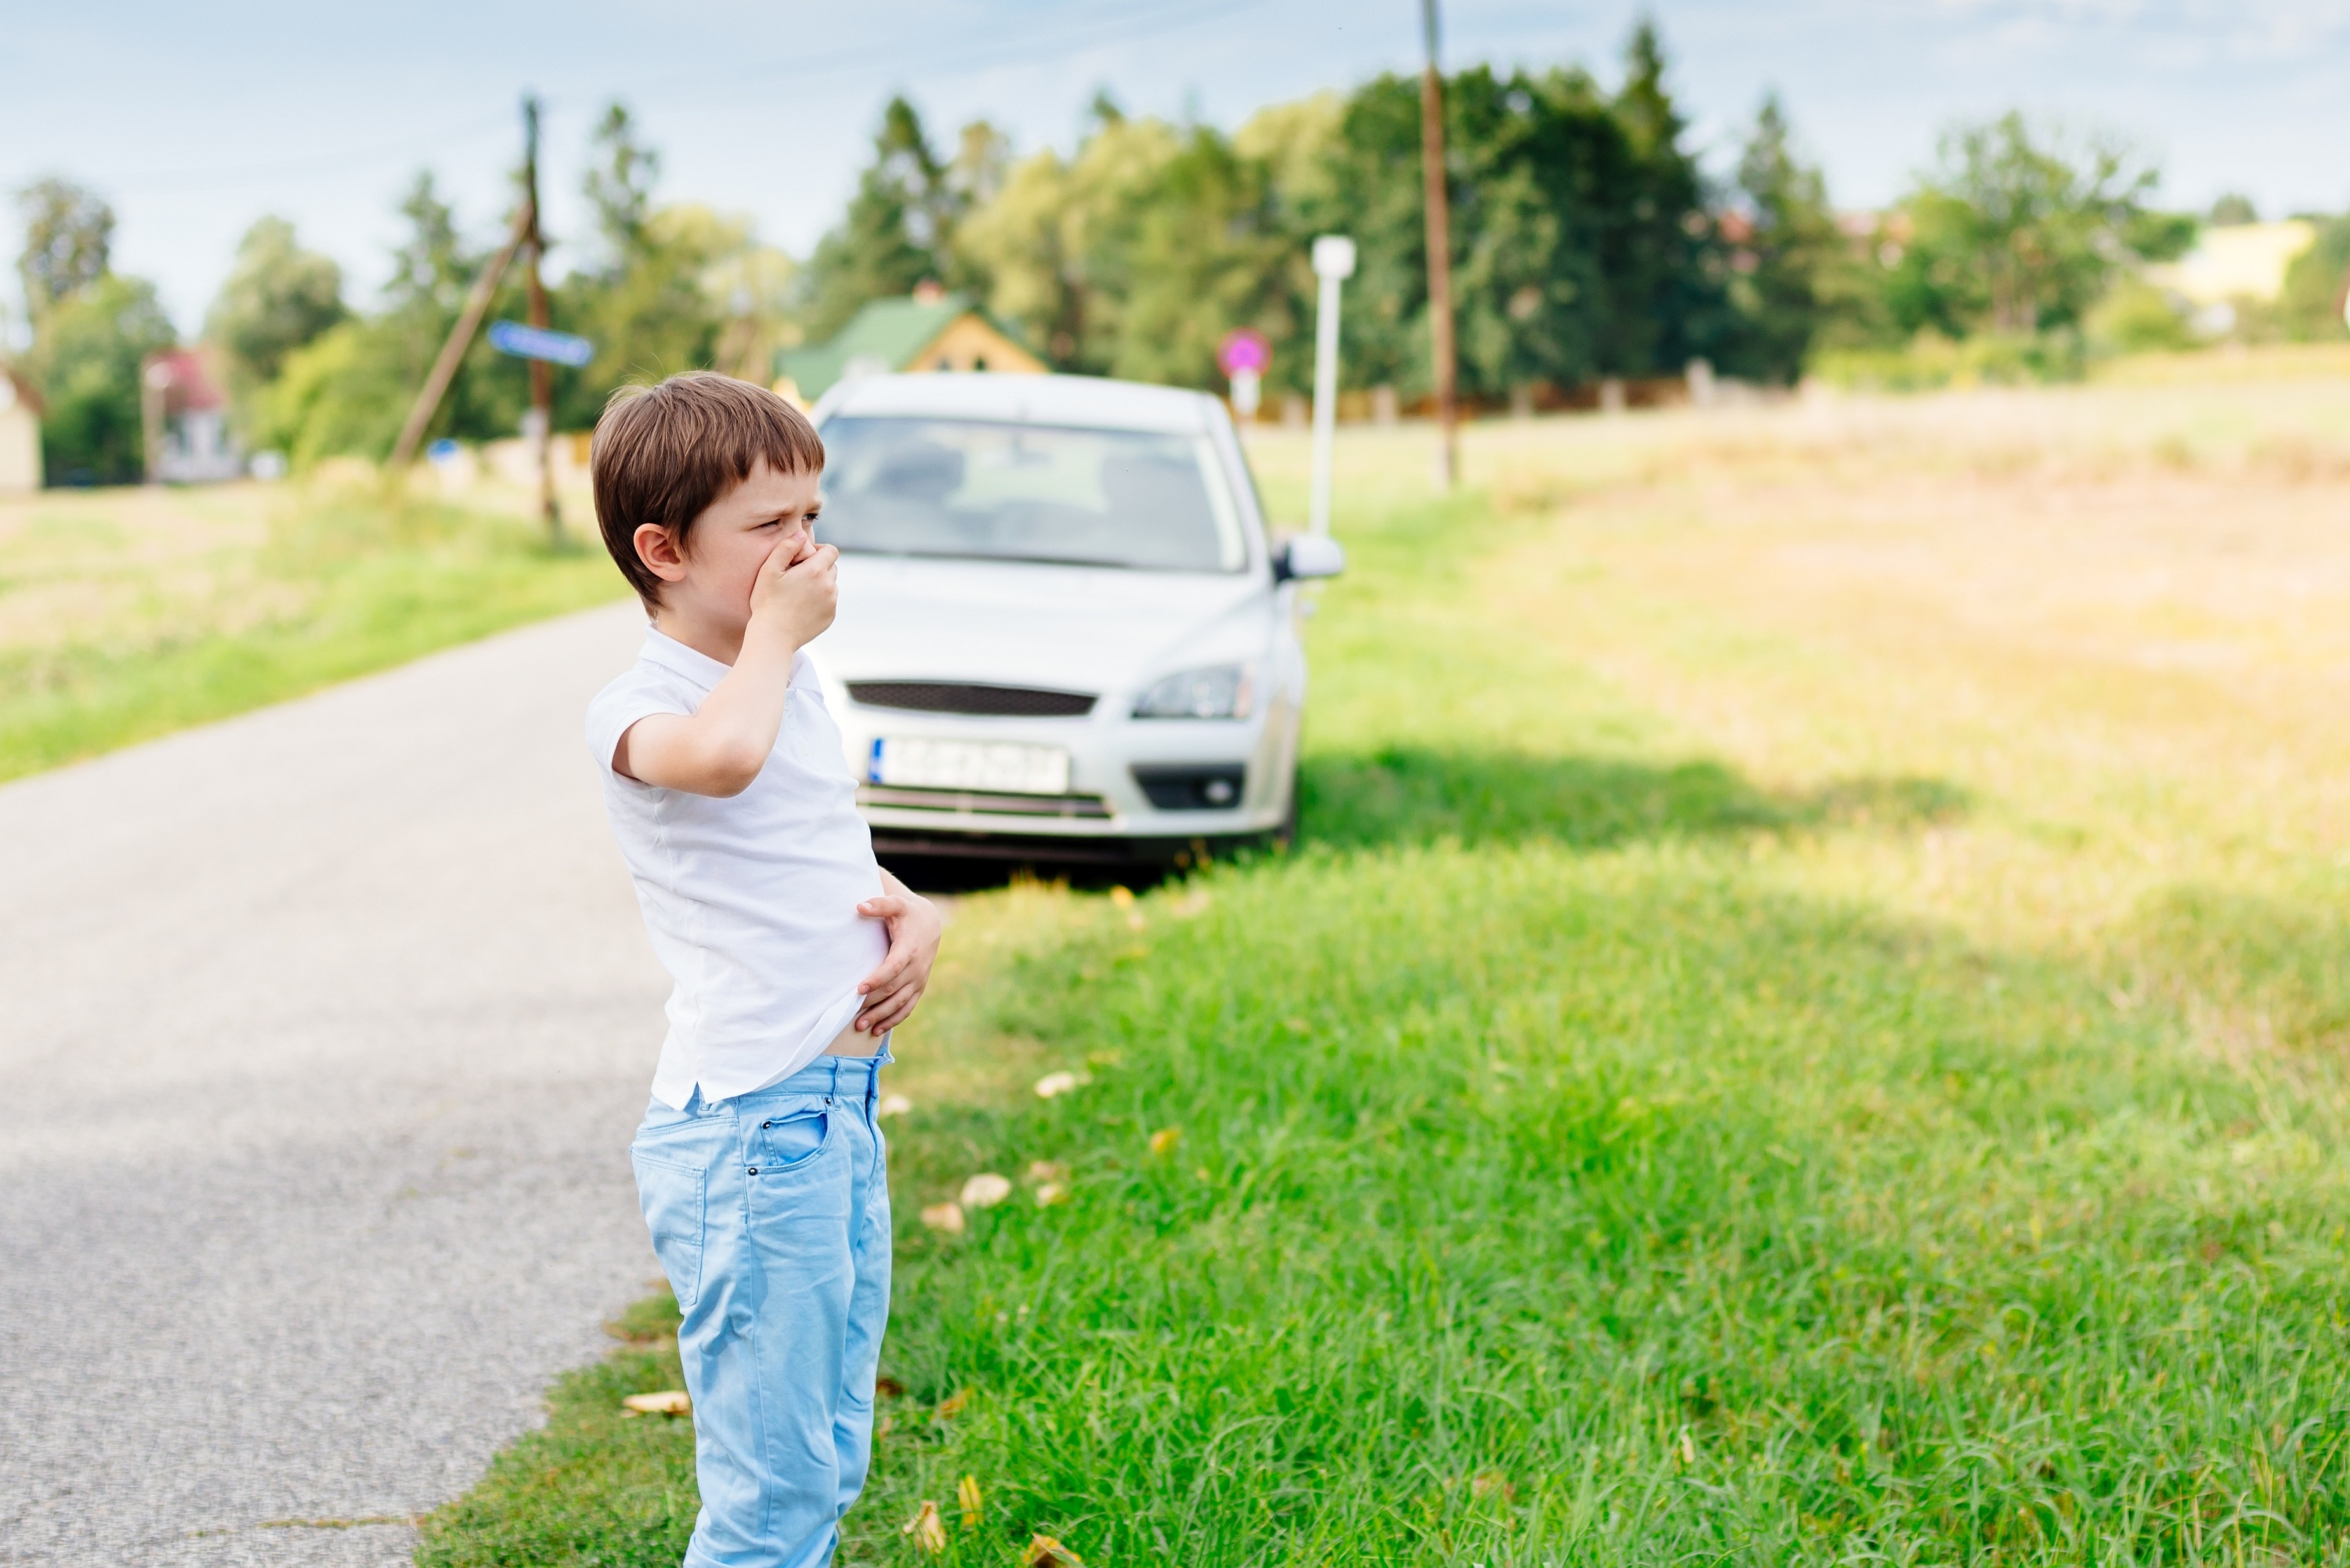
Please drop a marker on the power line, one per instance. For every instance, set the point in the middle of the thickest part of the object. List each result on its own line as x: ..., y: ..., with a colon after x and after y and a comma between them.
x: 970, y: 51
x: 319, y: 164
x: 1146, y: 21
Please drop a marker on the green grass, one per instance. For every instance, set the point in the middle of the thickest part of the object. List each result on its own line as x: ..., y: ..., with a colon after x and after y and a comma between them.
x: 595, y: 1485
x: 332, y: 584
x: 1593, y: 1145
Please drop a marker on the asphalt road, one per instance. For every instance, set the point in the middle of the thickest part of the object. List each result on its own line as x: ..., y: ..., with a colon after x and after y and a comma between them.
x: 322, y: 1035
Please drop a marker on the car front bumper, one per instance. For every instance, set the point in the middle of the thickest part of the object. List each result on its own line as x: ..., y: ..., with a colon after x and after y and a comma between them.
x: 1116, y: 766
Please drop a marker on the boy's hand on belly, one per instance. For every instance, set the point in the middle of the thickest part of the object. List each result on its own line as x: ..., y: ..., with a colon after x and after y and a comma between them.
x: 914, y: 928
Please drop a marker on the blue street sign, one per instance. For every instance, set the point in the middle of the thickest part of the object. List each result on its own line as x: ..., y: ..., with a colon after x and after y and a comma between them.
x: 537, y: 343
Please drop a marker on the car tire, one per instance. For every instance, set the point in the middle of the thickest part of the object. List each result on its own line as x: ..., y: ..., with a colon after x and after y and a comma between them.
x: 1284, y: 836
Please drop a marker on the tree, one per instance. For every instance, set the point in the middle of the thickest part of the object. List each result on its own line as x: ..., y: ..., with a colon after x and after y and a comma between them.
x: 673, y: 288
x: 898, y: 229
x: 2316, y: 285
x: 92, y: 332
x: 429, y: 271
x: 619, y: 187
x: 2234, y: 208
x: 85, y: 358
x: 2015, y: 236
x: 1582, y: 246
x: 1663, y: 257
x: 349, y: 389
x: 69, y: 242
x: 665, y: 289
x: 277, y: 298
x: 1207, y: 254
x: 1057, y: 243
x: 1792, y: 270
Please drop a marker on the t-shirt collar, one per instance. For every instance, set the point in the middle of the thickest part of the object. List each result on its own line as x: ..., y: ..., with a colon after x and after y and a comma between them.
x: 670, y: 654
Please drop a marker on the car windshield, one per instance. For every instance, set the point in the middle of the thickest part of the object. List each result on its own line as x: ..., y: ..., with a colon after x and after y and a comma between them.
x: 989, y: 490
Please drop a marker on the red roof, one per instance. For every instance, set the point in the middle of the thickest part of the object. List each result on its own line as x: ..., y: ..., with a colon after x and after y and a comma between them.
x: 27, y: 394
x: 187, y: 386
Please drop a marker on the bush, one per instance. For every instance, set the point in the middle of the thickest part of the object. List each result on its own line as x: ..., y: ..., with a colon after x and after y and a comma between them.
x: 1930, y: 361
x: 2135, y: 317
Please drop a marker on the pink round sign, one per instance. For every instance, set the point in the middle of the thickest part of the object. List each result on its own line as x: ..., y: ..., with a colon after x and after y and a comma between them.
x: 1243, y: 352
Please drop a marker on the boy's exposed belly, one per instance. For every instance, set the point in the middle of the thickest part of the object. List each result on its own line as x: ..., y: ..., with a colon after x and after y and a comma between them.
x: 849, y: 1042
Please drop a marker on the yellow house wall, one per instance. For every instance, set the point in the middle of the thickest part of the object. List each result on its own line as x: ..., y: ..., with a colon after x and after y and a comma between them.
x: 20, y: 450
x: 969, y: 343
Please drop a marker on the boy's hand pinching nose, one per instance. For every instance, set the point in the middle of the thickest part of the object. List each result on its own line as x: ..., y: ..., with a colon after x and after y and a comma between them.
x: 798, y: 588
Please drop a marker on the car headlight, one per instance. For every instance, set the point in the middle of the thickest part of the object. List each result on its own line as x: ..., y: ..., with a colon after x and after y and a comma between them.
x: 1219, y: 692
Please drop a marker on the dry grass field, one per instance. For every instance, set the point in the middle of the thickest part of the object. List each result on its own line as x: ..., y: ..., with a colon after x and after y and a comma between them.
x: 125, y: 613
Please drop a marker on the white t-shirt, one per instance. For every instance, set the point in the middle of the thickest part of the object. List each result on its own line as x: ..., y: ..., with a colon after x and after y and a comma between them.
x: 751, y: 901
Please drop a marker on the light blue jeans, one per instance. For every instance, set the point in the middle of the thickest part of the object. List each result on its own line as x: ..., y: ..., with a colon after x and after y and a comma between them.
x: 770, y: 1212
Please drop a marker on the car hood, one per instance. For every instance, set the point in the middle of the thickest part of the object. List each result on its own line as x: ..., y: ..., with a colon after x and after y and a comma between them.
x: 1078, y: 629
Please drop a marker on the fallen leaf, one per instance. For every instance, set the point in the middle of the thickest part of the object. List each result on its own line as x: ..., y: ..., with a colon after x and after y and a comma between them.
x: 885, y: 1429
x: 968, y: 1495
x: 1057, y: 1083
x: 1044, y: 1552
x: 947, y: 1217
x: 1493, y: 1484
x: 668, y: 1402
x: 1192, y: 905
x: 1164, y: 1140
x: 985, y: 1191
x: 1137, y: 921
x: 1051, y: 1192
x: 895, y: 1104
x: 1122, y: 896
x: 1047, y: 1170
x: 929, y: 1531
x: 887, y: 1387
x: 952, y: 1406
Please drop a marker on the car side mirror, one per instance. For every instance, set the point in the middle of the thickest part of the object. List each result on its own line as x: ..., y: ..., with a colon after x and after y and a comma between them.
x: 1305, y: 557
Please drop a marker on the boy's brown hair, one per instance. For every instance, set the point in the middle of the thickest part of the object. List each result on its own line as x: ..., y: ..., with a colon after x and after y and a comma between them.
x: 663, y: 453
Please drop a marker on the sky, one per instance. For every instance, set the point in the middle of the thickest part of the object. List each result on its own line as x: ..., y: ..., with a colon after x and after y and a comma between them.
x: 195, y: 120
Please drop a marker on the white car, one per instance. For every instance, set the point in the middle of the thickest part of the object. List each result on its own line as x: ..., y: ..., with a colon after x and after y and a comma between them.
x: 1065, y: 631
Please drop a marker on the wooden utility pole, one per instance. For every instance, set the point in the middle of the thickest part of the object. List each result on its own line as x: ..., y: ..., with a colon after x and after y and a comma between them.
x: 542, y: 374
x: 461, y: 338
x: 1440, y: 255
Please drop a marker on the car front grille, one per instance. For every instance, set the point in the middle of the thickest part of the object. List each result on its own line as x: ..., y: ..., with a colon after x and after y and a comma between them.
x: 965, y: 803
x: 960, y: 697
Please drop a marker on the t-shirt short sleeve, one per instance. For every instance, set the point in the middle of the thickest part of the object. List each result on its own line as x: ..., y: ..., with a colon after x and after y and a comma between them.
x: 638, y: 694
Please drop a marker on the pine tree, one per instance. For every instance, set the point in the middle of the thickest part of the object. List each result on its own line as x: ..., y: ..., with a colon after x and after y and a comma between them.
x: 1791, y: 270
x: 898, y: 232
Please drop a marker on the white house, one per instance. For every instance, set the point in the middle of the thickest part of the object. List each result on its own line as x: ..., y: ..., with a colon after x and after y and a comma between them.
x: 2231, y: 264
x: 20, y: 434
x: 186, y: 416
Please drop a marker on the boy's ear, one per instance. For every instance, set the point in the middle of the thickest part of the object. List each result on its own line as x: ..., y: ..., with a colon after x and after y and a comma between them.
x: 657, y: 548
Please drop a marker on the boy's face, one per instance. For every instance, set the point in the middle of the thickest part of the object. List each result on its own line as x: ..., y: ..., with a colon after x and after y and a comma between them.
x: 710, y: 582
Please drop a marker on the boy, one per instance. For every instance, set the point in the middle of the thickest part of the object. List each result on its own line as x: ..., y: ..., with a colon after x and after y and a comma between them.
x: 759, y: 1165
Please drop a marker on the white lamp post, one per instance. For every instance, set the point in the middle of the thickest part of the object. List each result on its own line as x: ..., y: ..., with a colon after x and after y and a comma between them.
x: 1334, y: 262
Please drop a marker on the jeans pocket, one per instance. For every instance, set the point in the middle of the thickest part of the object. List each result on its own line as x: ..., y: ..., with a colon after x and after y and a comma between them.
x: 673, y: 1196
x: 784, y: 1143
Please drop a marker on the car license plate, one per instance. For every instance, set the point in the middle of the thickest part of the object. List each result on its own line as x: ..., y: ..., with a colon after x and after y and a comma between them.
x: 992, y: 767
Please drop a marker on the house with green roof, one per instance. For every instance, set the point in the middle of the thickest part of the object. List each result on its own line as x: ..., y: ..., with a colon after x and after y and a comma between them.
x: 930, y: 330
